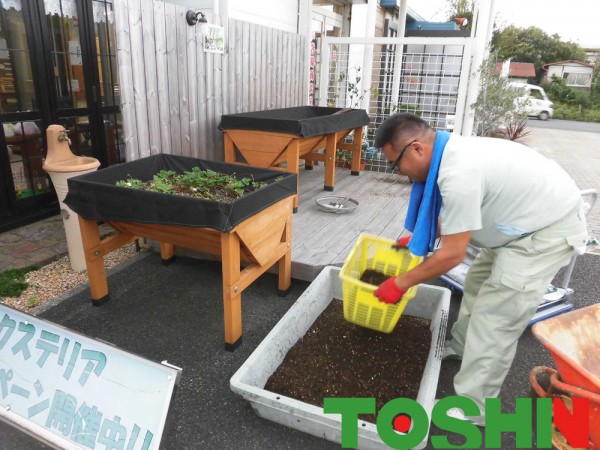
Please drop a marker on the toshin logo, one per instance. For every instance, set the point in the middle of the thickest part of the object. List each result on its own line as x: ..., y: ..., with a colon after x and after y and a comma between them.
x: 402, y: 423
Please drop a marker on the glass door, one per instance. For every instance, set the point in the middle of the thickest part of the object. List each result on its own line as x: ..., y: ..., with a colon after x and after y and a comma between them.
x: 57, y: 65
x: 21, y: 152
x: 325, y: 22
x: 85, y: 78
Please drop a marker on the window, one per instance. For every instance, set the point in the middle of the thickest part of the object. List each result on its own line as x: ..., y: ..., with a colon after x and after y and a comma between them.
x: 534, y: 93
x: 577, y: 79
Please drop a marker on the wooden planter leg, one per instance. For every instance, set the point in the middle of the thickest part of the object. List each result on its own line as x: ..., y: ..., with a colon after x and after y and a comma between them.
x: 285, y: 263
x: 94, y: 260
x: 356, y: 152
x: 232, y: 293
x: 330, y: 148
x: 167, y: 253
x: 228, y: 148
x: 293, y: 165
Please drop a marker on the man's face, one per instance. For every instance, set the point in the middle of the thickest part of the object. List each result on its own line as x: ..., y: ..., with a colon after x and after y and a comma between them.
x: 405, y: 158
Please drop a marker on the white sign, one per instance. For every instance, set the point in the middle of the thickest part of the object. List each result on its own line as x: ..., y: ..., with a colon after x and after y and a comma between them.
x: 78, y: 392
x: 214, y: 39
x: 75, y: 53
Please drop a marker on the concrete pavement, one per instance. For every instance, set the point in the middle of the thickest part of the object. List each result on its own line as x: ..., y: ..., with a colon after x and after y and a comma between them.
x: 578, y: 152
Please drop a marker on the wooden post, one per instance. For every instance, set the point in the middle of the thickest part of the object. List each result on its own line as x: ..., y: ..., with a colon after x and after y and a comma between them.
x: 167, y: 253
x: 285, y: 263
x: 228, y: 147
x: 94, y: 260
x: 293, y: 164
x: 232, y: 292
x: 330, y: 149
x: 357, y: 150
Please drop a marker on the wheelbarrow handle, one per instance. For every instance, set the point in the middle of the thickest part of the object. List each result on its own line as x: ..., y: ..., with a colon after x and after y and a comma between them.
x: 533, y: 380
x: 556, y: 383
x: 574, y: 390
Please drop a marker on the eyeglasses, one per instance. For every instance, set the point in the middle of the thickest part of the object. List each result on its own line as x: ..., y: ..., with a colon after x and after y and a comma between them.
x: 396, y: 165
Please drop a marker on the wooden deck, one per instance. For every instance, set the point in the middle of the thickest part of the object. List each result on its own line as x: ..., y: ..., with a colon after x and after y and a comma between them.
x: 322, y: 238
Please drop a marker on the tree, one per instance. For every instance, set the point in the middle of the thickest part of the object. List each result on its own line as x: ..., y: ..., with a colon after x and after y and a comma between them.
x: 461, y: 9
x: 496, y: 107
x: 595, y: 92
x: 558, y: 90
x: 534, y: 46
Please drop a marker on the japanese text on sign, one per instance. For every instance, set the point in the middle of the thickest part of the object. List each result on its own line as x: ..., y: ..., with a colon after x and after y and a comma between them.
x: 79, y: 389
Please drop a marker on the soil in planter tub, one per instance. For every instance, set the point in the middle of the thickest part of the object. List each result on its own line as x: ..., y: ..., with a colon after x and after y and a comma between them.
x: 338, y: 359
x: 373, y: 277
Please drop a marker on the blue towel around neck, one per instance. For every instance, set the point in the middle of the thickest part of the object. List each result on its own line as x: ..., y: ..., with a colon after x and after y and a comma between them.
x: 425, y: 203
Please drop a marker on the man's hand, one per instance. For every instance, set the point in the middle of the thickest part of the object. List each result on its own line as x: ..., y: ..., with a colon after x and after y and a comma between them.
x: 388, y: 292
x: 402, y: 242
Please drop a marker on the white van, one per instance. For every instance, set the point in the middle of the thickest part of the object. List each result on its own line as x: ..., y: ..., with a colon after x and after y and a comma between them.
x: 535, y: 101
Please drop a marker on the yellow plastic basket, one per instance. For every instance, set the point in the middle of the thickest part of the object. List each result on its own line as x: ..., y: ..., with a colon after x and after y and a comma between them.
x: 361, y: 307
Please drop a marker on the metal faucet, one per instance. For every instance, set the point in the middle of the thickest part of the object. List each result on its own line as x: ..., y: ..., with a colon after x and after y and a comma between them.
x: 62, y: 137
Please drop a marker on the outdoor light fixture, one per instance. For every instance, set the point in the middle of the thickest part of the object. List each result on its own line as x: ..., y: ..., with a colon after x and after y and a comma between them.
x: 194, y: 17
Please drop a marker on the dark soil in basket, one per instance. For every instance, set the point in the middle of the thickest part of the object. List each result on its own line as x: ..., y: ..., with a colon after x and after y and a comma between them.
x: 373, y: 277
x: 338, y: 359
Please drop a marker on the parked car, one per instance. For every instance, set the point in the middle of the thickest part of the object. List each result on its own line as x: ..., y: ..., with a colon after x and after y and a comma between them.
x: 535, y: 101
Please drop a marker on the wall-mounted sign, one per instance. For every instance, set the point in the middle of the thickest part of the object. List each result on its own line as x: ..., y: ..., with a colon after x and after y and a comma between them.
x: 75, y: 53
x: 77, y: 392
x: 214, y: 39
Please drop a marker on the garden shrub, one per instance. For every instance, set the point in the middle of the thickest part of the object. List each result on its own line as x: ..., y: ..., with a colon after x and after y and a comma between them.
x: 12, y: 281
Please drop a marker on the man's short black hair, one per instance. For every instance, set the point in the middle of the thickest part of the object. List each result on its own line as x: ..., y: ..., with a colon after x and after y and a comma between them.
x: 398, y: 123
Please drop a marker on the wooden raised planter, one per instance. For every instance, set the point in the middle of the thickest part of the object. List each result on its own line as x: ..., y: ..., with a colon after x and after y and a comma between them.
x: 274, y: 137
x: 254, y: 231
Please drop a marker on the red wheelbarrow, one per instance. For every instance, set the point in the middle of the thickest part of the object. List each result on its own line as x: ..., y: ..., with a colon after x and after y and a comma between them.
x: 573, y: 340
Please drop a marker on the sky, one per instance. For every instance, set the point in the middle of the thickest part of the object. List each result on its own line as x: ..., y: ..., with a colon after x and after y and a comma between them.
x: 575, y: 20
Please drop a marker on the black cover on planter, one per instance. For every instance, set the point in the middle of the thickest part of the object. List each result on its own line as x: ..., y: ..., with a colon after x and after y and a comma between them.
x: 305, y: 121
x: 94, y: 195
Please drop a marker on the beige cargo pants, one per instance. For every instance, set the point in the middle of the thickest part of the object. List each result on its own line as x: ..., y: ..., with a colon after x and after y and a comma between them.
x: 502, y: 291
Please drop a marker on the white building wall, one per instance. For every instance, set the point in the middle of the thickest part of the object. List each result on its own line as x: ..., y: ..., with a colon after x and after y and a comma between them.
x: 577, y: 75
x: 278, y: 14
x: 558, y: 70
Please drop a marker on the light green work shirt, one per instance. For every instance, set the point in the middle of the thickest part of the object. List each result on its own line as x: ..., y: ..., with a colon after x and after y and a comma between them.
x: 500, y: 190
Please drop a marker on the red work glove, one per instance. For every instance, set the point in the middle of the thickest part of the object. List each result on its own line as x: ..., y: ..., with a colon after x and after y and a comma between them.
x: 388, y: 292
x: 402, y: 242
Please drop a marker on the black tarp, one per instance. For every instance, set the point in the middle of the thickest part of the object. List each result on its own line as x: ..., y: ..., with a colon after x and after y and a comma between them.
x: 303, y: 121
x: 94, y: 195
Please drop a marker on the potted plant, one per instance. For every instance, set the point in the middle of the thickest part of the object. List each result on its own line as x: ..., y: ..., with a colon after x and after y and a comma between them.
x: 343, y: 158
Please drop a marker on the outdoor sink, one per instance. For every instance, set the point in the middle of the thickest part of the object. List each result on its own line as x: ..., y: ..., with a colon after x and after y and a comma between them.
x: 77, y: 163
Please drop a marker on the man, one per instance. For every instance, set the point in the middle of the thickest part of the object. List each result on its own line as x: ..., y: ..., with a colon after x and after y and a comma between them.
x: 521, y: 209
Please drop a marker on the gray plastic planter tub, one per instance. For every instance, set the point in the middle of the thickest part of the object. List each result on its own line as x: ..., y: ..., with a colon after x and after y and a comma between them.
x: 431, y: 302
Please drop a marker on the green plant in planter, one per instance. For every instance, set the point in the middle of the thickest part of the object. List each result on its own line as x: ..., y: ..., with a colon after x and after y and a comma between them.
x: 207, y: 184
x: 354, y: 92
x: 343, y: 155
x: 401, y: 107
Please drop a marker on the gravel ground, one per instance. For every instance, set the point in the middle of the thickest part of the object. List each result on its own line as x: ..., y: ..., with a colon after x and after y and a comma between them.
x: 56, y: 278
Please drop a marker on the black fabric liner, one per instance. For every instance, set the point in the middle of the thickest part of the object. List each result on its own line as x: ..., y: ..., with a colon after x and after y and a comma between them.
x: 94, y: 195
x: 306, y: 121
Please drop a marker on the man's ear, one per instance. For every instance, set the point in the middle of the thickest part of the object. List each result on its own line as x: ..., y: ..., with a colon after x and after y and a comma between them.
x: 420, y: 148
